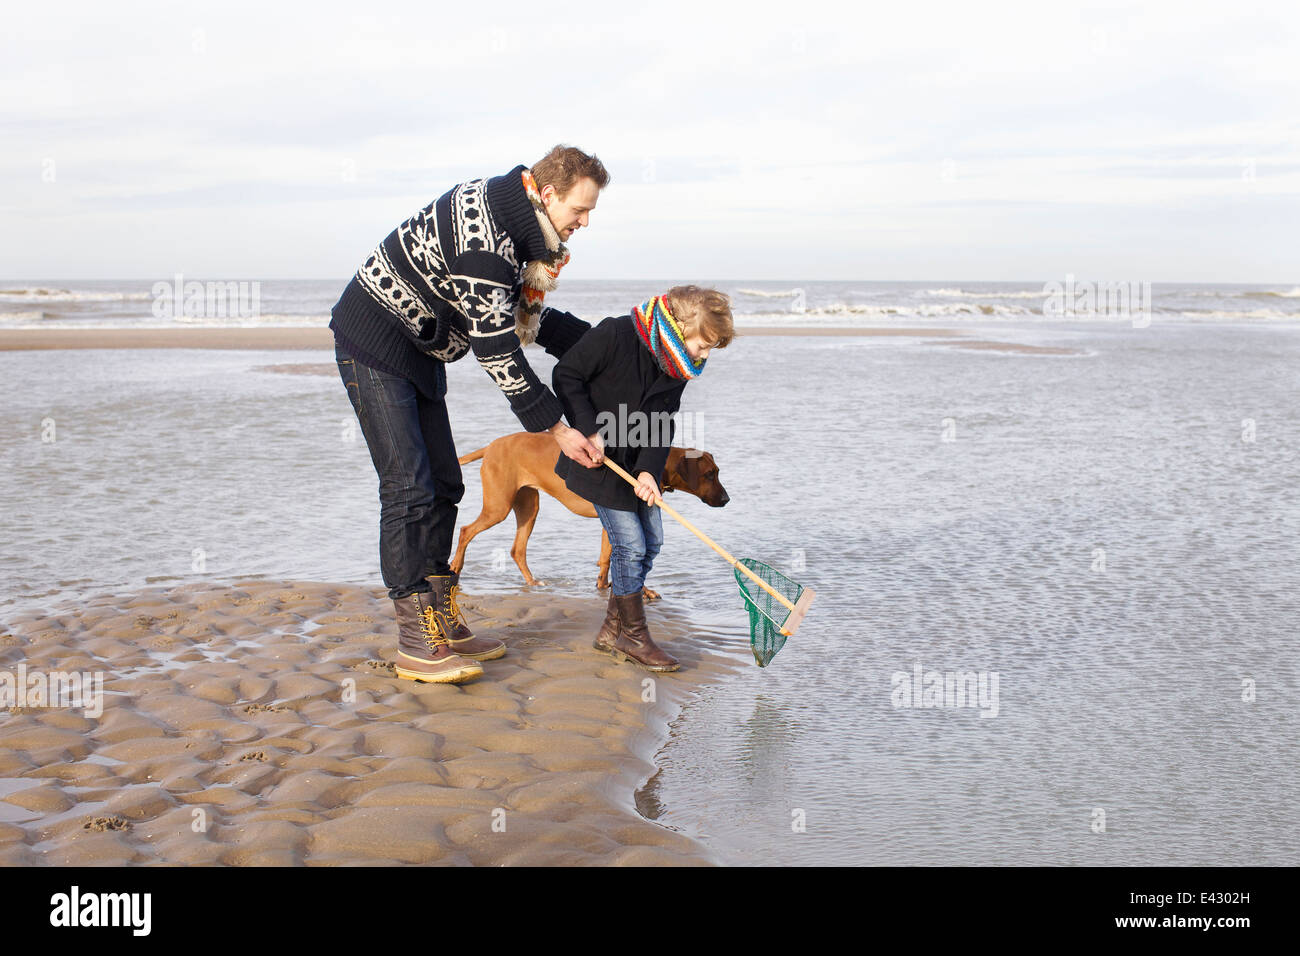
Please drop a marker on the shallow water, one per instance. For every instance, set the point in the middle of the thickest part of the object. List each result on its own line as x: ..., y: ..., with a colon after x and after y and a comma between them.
x: 1120, y: 683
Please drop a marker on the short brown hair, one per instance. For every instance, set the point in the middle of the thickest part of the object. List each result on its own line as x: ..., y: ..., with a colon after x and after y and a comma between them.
x: 565, y: 165
x: 706, y: 311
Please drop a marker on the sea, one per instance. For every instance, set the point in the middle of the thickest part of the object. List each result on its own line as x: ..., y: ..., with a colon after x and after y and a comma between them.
x: 1056, y: 589
x: 172, y: 301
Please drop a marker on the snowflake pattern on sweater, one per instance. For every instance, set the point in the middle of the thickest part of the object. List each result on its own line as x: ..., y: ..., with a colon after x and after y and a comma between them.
x: 455, y: 251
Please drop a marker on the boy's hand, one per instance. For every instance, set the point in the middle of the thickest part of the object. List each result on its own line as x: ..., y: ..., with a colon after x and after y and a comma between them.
x: 575, y: 446
x: 647, y: 489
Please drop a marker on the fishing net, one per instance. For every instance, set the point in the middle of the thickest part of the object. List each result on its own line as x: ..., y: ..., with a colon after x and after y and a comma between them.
x: 766, y: 613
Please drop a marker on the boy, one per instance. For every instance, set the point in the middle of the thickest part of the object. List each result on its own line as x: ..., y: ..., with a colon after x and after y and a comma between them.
x: 618, y: 385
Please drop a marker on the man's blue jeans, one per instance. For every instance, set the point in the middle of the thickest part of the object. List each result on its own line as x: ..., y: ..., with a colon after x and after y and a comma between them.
x: 635, y: 537
x: 420, y: 483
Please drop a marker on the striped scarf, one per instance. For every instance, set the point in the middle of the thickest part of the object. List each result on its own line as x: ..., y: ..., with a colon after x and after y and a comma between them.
x: 662, y: 335
x: 540, y: 275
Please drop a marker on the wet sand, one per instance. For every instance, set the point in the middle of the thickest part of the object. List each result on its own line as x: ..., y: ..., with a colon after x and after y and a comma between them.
x: 262, y: 724
x: 317, y: 338
x: 307, y: 338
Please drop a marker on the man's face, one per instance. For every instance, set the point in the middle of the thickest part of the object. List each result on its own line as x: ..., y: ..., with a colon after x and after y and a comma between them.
x: 570, y: 212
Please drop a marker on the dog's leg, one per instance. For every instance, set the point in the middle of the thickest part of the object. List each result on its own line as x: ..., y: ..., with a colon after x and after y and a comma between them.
x: 493, y: 513
x: 526, y: 507
x: 602, y: 582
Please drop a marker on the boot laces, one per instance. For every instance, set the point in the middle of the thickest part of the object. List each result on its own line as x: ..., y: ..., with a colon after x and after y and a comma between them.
x: 432, y: 629
x: 455, y: 608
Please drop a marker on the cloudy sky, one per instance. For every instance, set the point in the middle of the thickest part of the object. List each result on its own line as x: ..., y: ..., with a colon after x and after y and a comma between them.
x: 911, y: 140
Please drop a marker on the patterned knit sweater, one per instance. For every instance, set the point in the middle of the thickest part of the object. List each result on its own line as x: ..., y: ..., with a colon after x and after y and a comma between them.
x: 446, y: 282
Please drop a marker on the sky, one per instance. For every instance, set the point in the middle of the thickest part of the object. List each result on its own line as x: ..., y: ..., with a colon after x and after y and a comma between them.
x: 908, y: 141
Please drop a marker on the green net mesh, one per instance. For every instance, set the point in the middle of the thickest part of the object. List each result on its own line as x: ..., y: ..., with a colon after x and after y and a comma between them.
x: 766, y: 613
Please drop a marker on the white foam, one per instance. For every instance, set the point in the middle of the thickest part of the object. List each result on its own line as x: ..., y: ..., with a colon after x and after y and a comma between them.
x: 1237, y: 314
x: 1292, y: 294
x: 954, y: 309
x: 65, y: 295
x: 16, y: 317
x: 961, y: 293
x: 783, y: 294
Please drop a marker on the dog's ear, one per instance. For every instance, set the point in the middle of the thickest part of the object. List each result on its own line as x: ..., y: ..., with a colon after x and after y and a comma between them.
x: 688, y: 469
x: 670, y: 469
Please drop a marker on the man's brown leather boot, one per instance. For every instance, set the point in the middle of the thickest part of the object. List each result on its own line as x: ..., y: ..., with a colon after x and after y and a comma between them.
x: 633, y: 642
x: 609, y: 630
x: 423, y: 651
x: 463, y: 641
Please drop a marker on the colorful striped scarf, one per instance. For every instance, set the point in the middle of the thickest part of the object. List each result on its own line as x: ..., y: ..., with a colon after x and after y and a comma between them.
x: 662, y: 335
x: 540, y: 275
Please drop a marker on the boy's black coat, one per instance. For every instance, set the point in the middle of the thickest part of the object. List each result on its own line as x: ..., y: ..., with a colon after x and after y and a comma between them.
x: 608, y: 367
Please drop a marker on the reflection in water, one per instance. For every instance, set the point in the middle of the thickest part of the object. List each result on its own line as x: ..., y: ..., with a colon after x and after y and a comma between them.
x: 647, y: 799
x: 769, y: 735
x: 1097, y: 533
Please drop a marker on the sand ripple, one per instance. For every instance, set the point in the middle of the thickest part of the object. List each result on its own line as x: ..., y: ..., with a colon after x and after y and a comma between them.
x: 261, y: 724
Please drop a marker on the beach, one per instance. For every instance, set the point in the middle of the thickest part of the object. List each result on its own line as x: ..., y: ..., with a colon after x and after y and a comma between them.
x: 262, y: 724
x: 317, y: 338
x: 1088, y: 516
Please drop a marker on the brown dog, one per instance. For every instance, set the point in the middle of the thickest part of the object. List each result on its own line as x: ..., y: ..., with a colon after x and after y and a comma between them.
x: 517, y: 466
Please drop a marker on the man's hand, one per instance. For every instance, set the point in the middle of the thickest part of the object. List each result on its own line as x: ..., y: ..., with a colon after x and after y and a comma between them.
x: 647, y: 489
x: 575, y: 446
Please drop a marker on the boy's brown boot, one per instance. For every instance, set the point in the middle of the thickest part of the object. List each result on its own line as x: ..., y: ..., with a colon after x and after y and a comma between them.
x: 423, y: 651
x: 609, y: 630
x: 463, y: 641
x: 633, y: 642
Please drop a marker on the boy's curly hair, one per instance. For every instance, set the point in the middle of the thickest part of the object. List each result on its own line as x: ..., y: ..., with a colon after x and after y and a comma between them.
x: 706, y: 311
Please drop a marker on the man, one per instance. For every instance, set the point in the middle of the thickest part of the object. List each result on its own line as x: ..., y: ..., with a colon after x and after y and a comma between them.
x: 466, y: 273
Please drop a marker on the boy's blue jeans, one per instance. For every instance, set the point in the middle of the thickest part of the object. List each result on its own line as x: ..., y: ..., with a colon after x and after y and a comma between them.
x: 420, y: 484
x: 635, y: 537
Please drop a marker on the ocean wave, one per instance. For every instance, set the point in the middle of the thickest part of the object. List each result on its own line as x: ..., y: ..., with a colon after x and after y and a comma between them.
x: 1235, y: 294
x: 956, y: 308
x: 1292, y: 294
x: 1237, y: 314
x: 962, y: 293
x: 1198, y: 293
x: 67, y: 295
x: 783, y: 294
x: 33, y: 316
x: 849, y: 316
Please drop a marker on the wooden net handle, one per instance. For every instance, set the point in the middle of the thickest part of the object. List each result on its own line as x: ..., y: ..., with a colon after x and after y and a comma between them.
x: 706, y: 539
